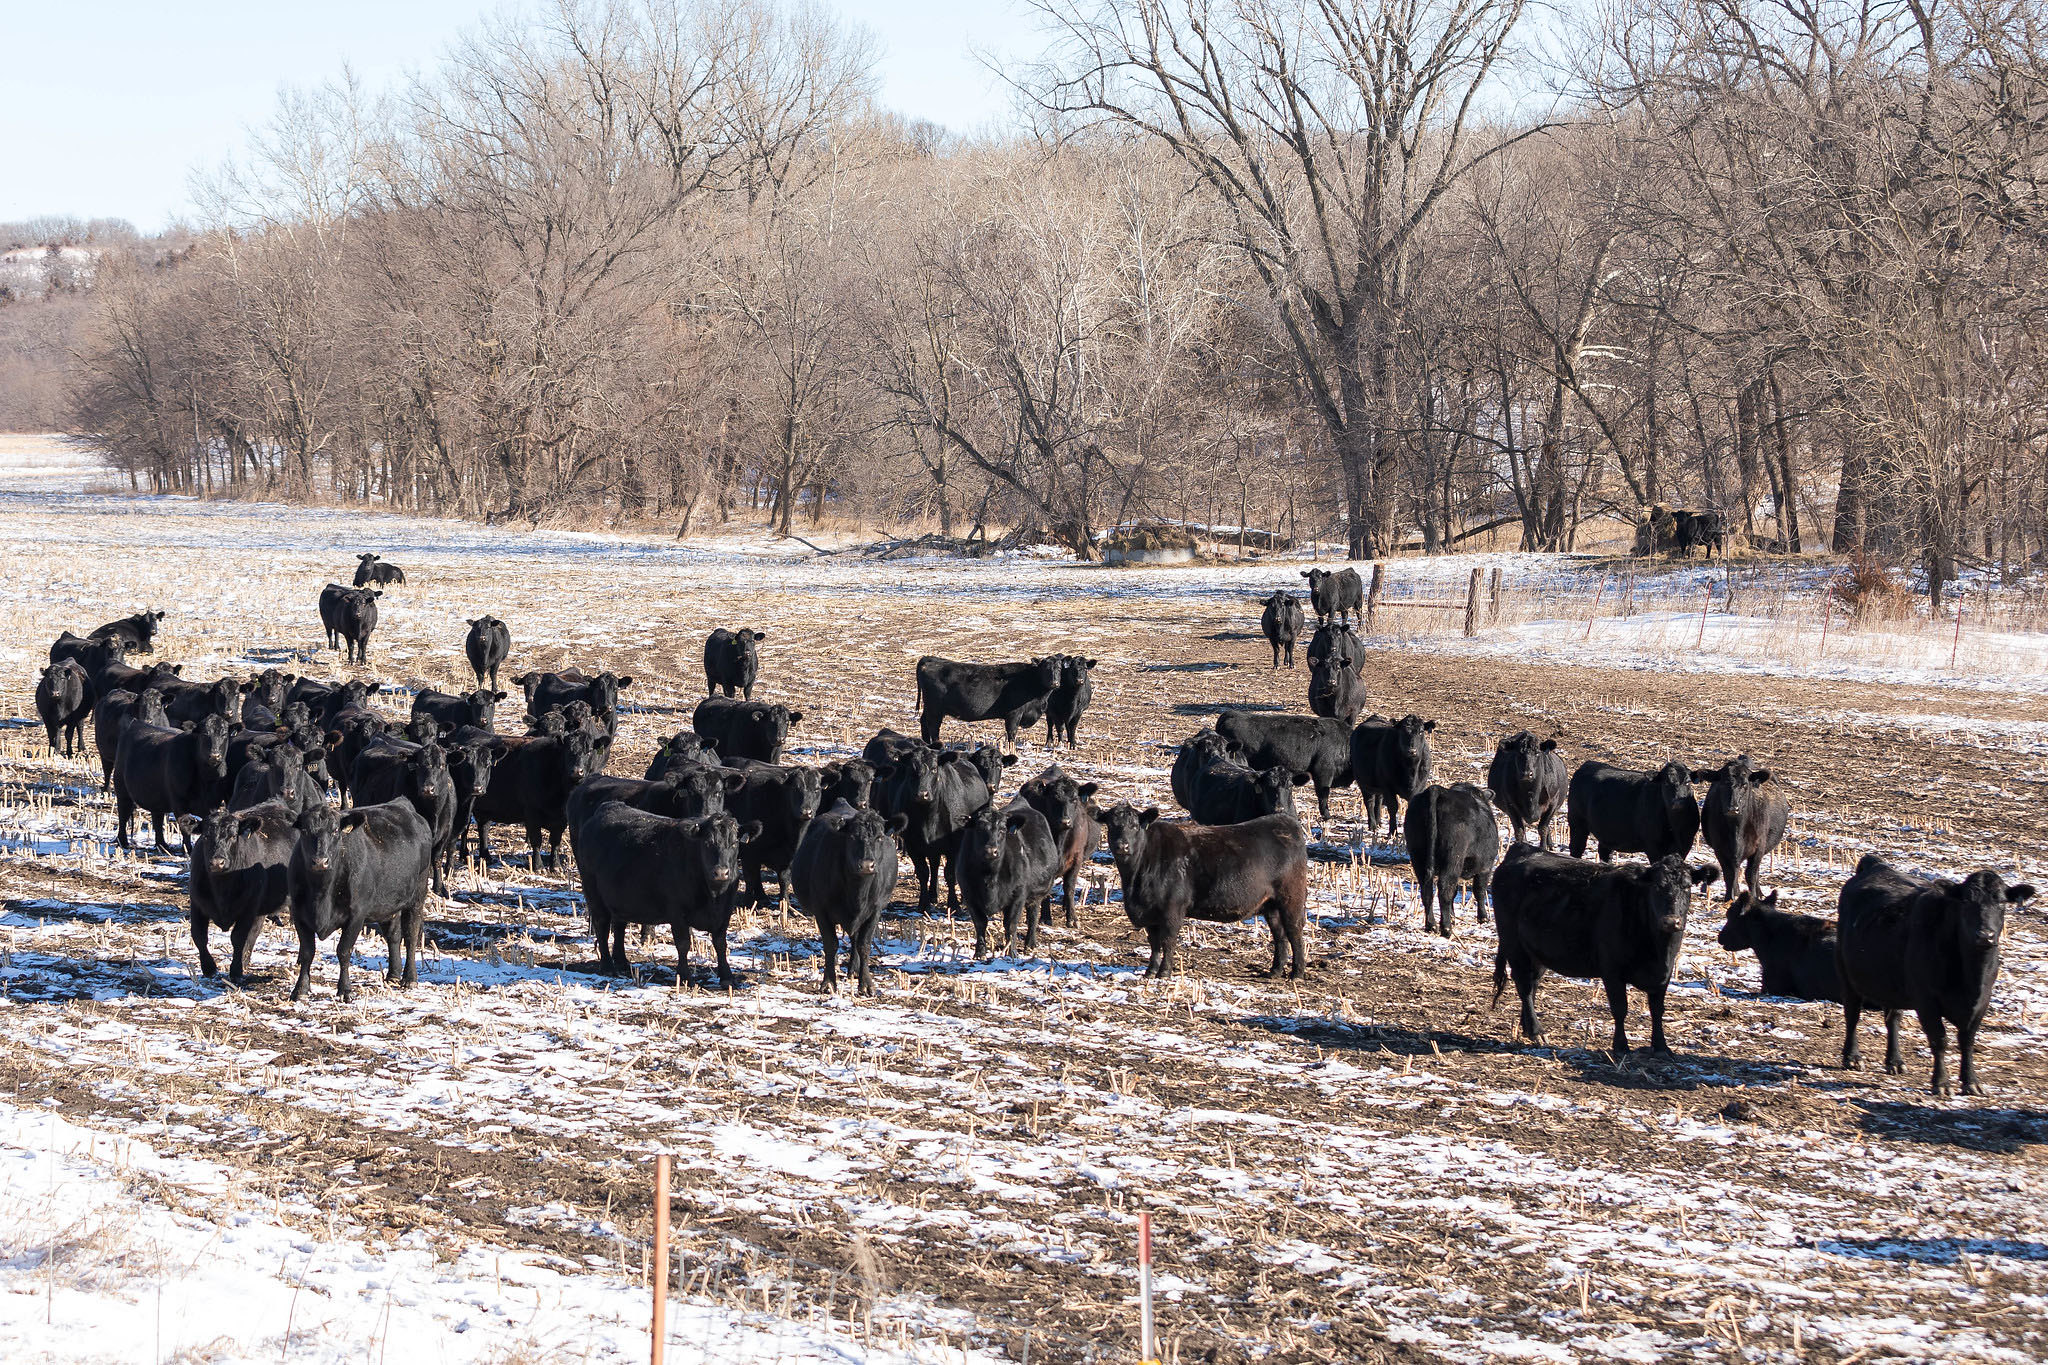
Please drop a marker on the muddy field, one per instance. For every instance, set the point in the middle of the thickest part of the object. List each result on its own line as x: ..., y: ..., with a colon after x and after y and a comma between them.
x: 1364, y: 1165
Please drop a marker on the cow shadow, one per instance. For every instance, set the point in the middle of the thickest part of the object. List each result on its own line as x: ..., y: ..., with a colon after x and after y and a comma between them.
x: 1236, y: 635
x: 1336, y: 1036
x: 1196, y: 666
x: 1995, y: 1130
x: 1930, y: 1250
x: 1217, y: 708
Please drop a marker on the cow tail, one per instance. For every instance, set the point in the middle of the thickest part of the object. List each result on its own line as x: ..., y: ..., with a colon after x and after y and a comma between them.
x: 1500, y: 968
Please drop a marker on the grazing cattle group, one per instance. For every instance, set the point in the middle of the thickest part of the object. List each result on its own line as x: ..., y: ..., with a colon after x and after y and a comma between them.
x: 298, y: 798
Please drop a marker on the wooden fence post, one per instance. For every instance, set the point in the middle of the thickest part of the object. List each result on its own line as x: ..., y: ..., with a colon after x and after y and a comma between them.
x: 1472, y: 605
x: 1493, y: 605
x: 1372, y: 596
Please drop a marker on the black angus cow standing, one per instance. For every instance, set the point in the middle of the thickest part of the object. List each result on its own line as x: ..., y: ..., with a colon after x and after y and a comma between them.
x: 195, y: 701
x: 731, y: 662
x: 1651, y: 813
x: 1924, y: 944
x: 1173, y: 873
x: 1621, y: 926
x: 265, y: 699
x: 1743, y: 818
x: 1529, y: 783
x: 137, y: 633
x: 1796, y: 953
x: 1331, y: 639
x: 275, y: 774
x: 451, y: 712
x: 547, y: 692
x: 113, y: 711
x: 238, y: 878
x: 396, y: 770
x: 1335, y: 688
x: 354, y: 869
x: 1701, y: 530
x: 684, y: 746
x: 1281, y: 623
x: 168, y: 773
x: 370, y: 570
x: 1315, y: 747
x: 780, y: 802
x: 1069, y: 701
x: 530, y: 786
x: 1390, y: 762
x: 1453, y: 840
x: 64, y: 700
x: 654, y: 869
x: 486, y: 646
x: 97, y: 657
x: 350, y: 617
x: 736, y: 728
x: 1335, y: 595
x: 1008, y: 863
x: 844, y: 870
x: 1008, y: 692
x: 1197, y: 752
x: 1228, y: 793
x: 1072, y: 820
x: 935, y: 790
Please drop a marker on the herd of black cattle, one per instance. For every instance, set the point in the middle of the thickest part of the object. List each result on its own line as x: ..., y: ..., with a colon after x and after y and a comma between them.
x: 244, y: 766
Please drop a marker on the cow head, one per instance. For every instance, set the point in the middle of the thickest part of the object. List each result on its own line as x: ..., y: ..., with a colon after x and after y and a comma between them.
x: 1062, y: 801
x: 1975, y: 906
x: 866, y: 842
x: 1408, y: 752
x: 851, y: 780
x: 984, y: 833
x: 422, y: 729
x: 1279, y: 600
x: 1674, y: 783
x: 426, y: 773
x: 1665, y: 888
x: 913, y: 777
x: 1126, y: 826
x: 211, y: 746
x: 1074, y: 670
x: 319, y: 848
x: 1739, y: 932
x: 483, y: 706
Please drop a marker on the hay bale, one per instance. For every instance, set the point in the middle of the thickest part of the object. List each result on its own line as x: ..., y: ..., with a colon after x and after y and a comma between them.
x: 1149, y: 545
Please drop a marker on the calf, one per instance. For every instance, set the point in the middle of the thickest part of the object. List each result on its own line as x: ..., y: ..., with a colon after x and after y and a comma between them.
x: 1281, y: 623
x: 1069, y: 701
x: 1317, y: 748
x: 935, y: 790
x: 357, y: 621
x: 451, y: 712
x: 530, y: 786
x: 394, y: 770
x: 1743, y: 818
x: 168, y: 772
x: 1796, y: 952
x: 685, y: 746
x: 368, y: 866
x: 1452, y: 838
x: 372, y: 570
x: 136, y: 633
x: 1334, y: 595
x: 652, y: 869
x: 1007, y: 865
x: 1622, y: 926
x: 1229, y: 793
x: 1391, y: 762
x: 1198, y: 753
x: 64, y: 702
x: 780, y: 802
x: 239, y: 877
x: 1172, y: 873
x: 1654, y: 814
x: 1528, y: 781
x: 1071, y: 818
x: 112, y: 712
x: 488, y: 642
x: 851, y: 780
x: 843, y: 874
x: 1335, y: 689
x: 973, y: 692
x: 279, y: 776
x: 547, y: 692
x: 744, y: 729
x: 731, y: 661
x: 1923, y: 944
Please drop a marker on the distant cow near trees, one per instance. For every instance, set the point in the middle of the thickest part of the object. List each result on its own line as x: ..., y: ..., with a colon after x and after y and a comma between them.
x: 1335, y: 596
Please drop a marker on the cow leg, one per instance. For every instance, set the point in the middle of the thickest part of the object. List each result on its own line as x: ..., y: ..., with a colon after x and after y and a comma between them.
x: 1073, y: 875
x: 345, y: 954
x: 1155, y: 961
x: 394, y: 930
x: 1446, y: 900
x: 863, y: 957
x: 1271, y: 914
x: 1656, y: 998
x: 1525, y: 987
x: 1852, y: 1051
x: 1322, y: 798
x: 980, y: 917
x: 1425, y: 886
x: 680, y: 932
x: 928, y: 723
x: 415, y: 940
x: 200, y: 926
x: 1036, y: 908
x: 1936, y: 1029
x: 828, y: 940
x: 1894, y: 1064
x: 1617, y: 1005
x: 1169, y: 940
x: 307, y: 946
x: 725, y: 976
x: 243, y: 936
x: 483, y: 843
x: 1730, y: 866
x: 1481, y: 884
x: 1542, y: 833
x: 952, y: 861
x: 1966, y: 1045
x: 1606, y: 853
x: 1754, y: 866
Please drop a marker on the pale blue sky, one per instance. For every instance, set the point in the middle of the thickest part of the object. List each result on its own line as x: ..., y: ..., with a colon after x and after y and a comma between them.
x: 107, y: 105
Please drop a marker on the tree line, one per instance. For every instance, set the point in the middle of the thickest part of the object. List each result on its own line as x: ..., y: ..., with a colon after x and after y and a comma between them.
x: 1395, y: 271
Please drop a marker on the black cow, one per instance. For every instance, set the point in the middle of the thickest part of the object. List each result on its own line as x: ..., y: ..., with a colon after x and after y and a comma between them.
x: 1622, y: 926
x: 1700, y: 530
x: 780, y: 801
x: 1452, y: 839
x: 1334, y: 687
x: 168, y: 772
x: 1071, y: 818
x: 1651, y: 813
x: 1008, y: 862
x: 1173, y: 873
x: 1229, y: 793
x: 1924, y: 944
x: 1796, y: 952
x: 328, y: 700
x: 368, y: 866
x: 1335, y: 595
x: 547, y: 692
x: 888, y: 746
x: 372, y: 570
x: 935, y: 790
x: 652, y: 869
x: 238, y: 877
x: 136, y: 633
x: 350, y: 617
x: 114, y: 710
x: 1333, y: 639
x: 530, y: 786
x: 989, y: 760
x: 1390, y: 761
x: 1281, y: 623
x: 119, y: 677
x: 1197, y: 753
x: 851, y: 780
x: 685, y: 746
x: 64, y: 699
x: 1315, y: 747
x: 843, y: 873
x: 488, y: 642
x: 1069, y: 701
x: 972, y: 692
x: 265, y: 699
x: 1743, y: 818
x: 452, y: 712
x: 744, y: 729
x: 94, y: 656
x: 684, y: 792
x: 731, y: 661
x: 194, y: 701
x: 395, y: 770
x: 349, y: 732
x: 472, y: 761
x: 277, y: 774
x: 1528, y: 781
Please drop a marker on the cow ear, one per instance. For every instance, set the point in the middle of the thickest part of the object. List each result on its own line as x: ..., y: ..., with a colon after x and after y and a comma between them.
x: 1702, y: 873
x: 1304, y: 573
x: 795, y: 716
x: 1009, y: 760
x: 1147, y: 816
x: 950, y: 756
x: 1761, y: 775
x: 1547, y: 745
x: 626, y: 681
x: 249, y: 824
x: 351, y: 819
x: 475, y: 622
x: 733, y: 779
x: 896, y: 824
x: 2019, y: 893
x: 1772, y: 900
x: 1089, y: 662
x: 760, y: 635
x: 1089, y: 789
x: 751, y: 831
x: 187, y: 726
x: 1429, y: 725
x: 499, y: 696
x: 191, y: 824
x: 1300, y: 779
x: 884, y: 771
